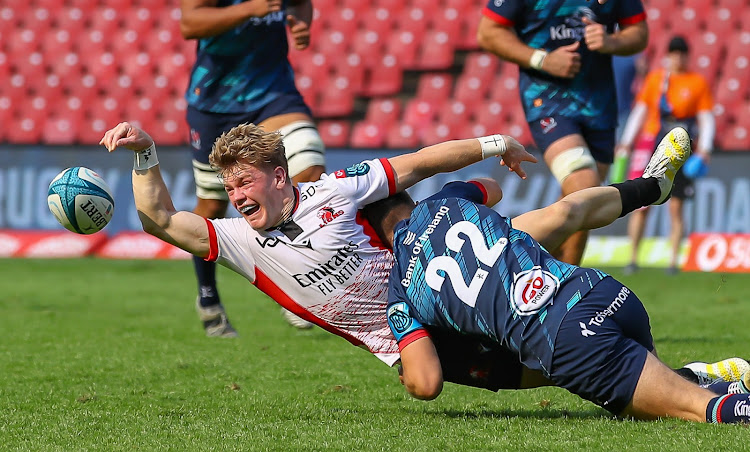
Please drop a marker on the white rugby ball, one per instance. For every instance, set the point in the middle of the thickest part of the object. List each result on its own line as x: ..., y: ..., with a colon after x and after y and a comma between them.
x: 80, y: 200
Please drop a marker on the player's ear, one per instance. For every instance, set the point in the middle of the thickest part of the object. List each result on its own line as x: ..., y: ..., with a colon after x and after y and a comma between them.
x: 280, y: 177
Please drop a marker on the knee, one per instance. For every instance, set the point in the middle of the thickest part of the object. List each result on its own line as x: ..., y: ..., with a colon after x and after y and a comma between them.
x: 570, y: 161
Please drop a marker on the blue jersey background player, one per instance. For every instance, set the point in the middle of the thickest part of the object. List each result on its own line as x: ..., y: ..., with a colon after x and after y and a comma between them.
x: 242, y: 75
x: 563, y: 49
x: 461, y: 268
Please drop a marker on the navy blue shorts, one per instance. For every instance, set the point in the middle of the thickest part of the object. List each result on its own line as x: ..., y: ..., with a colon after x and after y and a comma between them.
x: 602, y: 345
x: 601, y: 143
x: 206, y: 127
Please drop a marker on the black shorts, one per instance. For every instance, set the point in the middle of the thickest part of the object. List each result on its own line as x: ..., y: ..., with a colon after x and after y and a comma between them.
x: 206, y: 126
x: 601, y: 346
x: 601, y: 143
x: 684, y: 187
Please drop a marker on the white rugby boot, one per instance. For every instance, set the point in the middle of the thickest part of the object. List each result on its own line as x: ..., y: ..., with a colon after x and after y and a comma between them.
x: 673, y: 150
x: 731, y: 369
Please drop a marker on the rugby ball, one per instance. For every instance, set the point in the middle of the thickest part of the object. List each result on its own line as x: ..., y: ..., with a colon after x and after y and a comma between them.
x: 80, y: 200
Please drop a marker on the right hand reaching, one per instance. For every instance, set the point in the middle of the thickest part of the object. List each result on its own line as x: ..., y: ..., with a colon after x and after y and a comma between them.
x: 515, y: 153
x: 564, y: 61
x: 128, y: 136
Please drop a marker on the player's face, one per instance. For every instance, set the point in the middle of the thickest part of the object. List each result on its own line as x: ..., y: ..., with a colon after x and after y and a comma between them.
x: 257, y: 194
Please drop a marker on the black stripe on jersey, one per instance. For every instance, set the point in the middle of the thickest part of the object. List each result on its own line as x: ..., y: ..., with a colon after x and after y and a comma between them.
x: 290, y: 229
x: 301, y: 127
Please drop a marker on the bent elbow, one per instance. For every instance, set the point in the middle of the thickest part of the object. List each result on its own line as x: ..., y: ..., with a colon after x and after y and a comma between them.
x: 424, y: 389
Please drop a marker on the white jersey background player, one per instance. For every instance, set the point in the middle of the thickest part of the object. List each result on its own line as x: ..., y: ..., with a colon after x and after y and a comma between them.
x: 304, y: 247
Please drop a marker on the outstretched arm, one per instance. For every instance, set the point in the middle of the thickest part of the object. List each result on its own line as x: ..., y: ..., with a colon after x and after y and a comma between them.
x: 152, y: 200
x: 454, y: 155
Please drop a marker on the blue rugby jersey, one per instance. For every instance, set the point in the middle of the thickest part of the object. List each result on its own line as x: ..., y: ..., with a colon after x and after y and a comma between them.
x: 549, y: 24
x: 243, y: 69
x: 460, y: 266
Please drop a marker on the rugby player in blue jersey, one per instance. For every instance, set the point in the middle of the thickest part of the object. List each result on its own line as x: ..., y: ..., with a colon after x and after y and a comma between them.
x: 242, y: 74
x: 563, y: 49
x: 461, y: 268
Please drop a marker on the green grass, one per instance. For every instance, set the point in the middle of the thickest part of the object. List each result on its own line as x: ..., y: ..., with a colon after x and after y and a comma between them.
x: 109, y: 355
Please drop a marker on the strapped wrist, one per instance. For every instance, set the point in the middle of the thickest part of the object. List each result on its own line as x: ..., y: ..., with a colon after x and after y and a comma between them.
x: 537, y: 59
x: 492, y: 145
x: 145, y: 159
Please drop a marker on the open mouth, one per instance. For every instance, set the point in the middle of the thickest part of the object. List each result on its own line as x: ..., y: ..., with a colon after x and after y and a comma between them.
x: 249, y: 210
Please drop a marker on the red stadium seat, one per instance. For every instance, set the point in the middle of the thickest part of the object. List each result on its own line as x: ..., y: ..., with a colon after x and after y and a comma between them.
x: 50, y: 88
x: 29, y: 64
x: 702, y: 7
x: 168, y: 19
x: 92, y: 130
x: 141, y: 109
x: 454, y: 112
x: 57, y: 42
x: 436, y: 52
x: 483, y: 65
x: 395, y: 6
x: 22, y: 41
x: 470, y: 89
x: 383, y: 111
x: 505, y: 88
x: 404, y: 46
x: 335, y: 134
x: 438, y: 132
x: 332, y: 43
x: 686, y: 22
x: 90, y: 43
x: 720, y: 20
x: 137, y: 65
x: 172, y: 65
x: 360, y: 8
x: 124, y: 41
x: 368, y: 44
x: 402, y: 136
x: 385, y: 79
x: 10, y: 19
x: 736, y: 138
x: 470, y: 24
x: 60, y: 130
x: 738, y: 53
x: 141, y: 20
x: 85, y: 5
x: 307, y: 87
x: 518, y: 128
x: 419, y: 113
x: 731, y: 91
x: 25, y: 130
x: 491, y: 114
x: 353, y: 68
x: 344, y: 19
x: 38, y: 19
x: 735, y: 6
x: 53, y: 5
x: 381, y: 20
x: 18, y: 89
x: 4, y: 66
x: 413, y: 20
x: 71, y: 19
x: 104, y: 18
x: 705, y: 53
x: 84, y: 87
x: 434, y: 87
x: 367, y: 135
x: 447, y: 20
x: 336, y: 99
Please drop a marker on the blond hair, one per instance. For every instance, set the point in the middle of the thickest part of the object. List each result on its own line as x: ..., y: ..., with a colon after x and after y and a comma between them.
x: 248, y: 144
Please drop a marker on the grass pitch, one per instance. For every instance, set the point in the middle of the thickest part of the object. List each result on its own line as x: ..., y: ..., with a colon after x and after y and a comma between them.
x: 109, y: 355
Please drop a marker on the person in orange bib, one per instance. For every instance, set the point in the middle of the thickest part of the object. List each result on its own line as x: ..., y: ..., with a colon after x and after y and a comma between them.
x: 670, y: 97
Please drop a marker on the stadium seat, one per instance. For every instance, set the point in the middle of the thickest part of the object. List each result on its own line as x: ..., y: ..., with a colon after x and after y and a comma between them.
x: 4, y: 66
x: 30, y: 64
x: 124, y: 41
x: 54, y: 6
x: 470, y: 89
x: 89, y: 44
x: 394, y: 6
x: 367, y: 44
x: 331, y: 43
x: 39, y: 19
x: 663, y: 5
x: 447, y: 20
x: 353, y: 68
x: 419, y: 113
x: 381, y: 20
x: 344, y: 19
x: 436, y: 52
x: 736, y: 138
x: 49, y: 88
x: 702, y: 8
x: 467, y: 40
x: 483, y: 65
x: 60, y: 130
x: 84, y: 87
x: 402, y: 136
x: 735, y: 6
x: 720, y: 20
x: 454, y: 112
x: 731, y: 91
x: 25, y: 130
x: 686, y: 23
x: 505, y: 88
x: 22, y: 41
x: 70, y: 19
x: 367, y: 135
x: 336, y: 99
x: 438, y: 132
x: 141, y: 109
x: 85, y: 5
x: 737, y: 55
x: 385, y: 79
x: 57, y: 42
x: 384, y: 112
x: 172, y: 65
x: 705, y: 53
x: 92, y: 130
x: 434, y: 87
x: 490, y: 114
x: 307, y: 87
x: 335, y: 133
x: 518, y: 128
x: 360, y: 8
x: 404, y: 46
x: 104, y: 18
x: 413, y: 20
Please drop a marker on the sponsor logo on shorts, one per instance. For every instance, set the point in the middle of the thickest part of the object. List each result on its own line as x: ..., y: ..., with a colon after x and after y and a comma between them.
x: 547, y: 124
x: 327, y: 214
x: 195, y: 139
x: 600, y: 317
x: 585, y: 332
x: 532, y: 290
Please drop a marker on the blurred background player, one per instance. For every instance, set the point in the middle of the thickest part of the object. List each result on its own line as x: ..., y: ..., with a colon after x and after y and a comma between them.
x: 670, y: 97
x: 242, y: 74
x: 563, y: 49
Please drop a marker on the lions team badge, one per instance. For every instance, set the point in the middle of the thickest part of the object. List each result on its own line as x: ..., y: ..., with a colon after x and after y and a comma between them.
x: 532, y: 290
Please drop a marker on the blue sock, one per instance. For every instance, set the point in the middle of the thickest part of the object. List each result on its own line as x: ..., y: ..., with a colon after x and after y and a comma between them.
x: 205, y: 272
x: 729, y: 409
x: 727, y: 387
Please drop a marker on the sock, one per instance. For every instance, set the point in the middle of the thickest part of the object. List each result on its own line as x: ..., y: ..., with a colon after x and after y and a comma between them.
x: 637, y: 193
x: 205, y: 272
x: 728, y: 409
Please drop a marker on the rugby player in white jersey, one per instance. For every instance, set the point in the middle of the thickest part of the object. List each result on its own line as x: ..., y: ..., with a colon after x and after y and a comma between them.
x: 309, y: 248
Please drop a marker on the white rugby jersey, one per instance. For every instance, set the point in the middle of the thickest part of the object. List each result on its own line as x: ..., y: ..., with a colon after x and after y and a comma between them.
x: 326, y: 264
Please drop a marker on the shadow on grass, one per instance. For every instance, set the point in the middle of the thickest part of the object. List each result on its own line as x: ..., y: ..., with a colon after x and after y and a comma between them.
x: 542, y: 413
